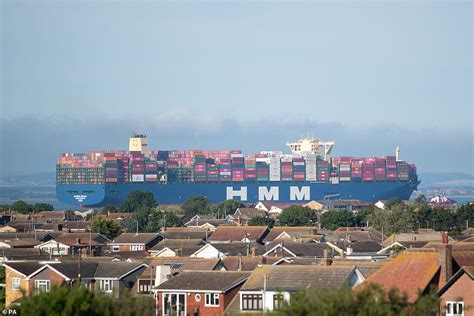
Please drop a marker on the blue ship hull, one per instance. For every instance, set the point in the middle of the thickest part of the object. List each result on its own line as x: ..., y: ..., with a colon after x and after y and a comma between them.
x: 248, y: 192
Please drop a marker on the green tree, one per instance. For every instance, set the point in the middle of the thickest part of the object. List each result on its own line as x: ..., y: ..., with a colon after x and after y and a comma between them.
x: 41, y: 207
x: 107, y: 227
x: 334, y: 219
x: 372, y: 300
x: 110, y: 208
x: 196, y: 204
x: 398, y: 219
x: 21, y: 207
x: 262, y: 221
x: 296, y: 216
x: 151, y: 220
x: 391, y: 202
x: 79, y: 301
x: 137, y: 199
x: 362, y: 215
x: 465, y: 216
x: 421, y: 199
x: 227, y: 207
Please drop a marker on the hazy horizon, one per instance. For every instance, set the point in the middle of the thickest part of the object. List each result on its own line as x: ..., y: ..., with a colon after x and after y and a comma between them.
x: 370, y: 75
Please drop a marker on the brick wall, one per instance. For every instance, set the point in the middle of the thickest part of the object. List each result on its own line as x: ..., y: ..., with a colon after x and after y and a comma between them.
x: 10, y: 294
x: 462, y: 288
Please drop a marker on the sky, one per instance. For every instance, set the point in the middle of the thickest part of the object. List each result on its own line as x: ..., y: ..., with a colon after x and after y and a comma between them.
x: 251, y: 75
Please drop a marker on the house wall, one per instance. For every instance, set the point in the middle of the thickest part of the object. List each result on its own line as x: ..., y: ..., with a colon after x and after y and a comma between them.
x: 267, y: 299
x: 47, y: 274
x: 198, y: 308
x: 10, y: 294
x: 209, y: 253
x: 462, y: 288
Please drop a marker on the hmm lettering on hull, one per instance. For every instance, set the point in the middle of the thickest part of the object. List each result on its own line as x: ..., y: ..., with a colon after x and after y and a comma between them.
x: 270, y: 193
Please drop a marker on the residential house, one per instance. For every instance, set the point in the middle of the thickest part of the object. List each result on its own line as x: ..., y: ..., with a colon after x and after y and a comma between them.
x: 17, y: 254
x: 74, y: 243
x: 457, y: 295
x: 135, y: 242
x: 222, y: 250
x: 272, y: 210
x: 303, y: 233
x: 242, y: 216
x: 77, y: 226
x: 179, y: 264
x: 119, y: 217
x: 176, y: 247
x: 295, y: 249
x: 185, y: 233
x: 15, y: 279
x: 344, y: 205
x: 269, y: 286
x: 358, y: 234
x: 198, y: 292
x: 207, y: 221
x: 239, y: 233
x: 399, y: 246
x: 52, y: 216
x: 426, y: 235
x: 315, y: 205
x: 106, y: 276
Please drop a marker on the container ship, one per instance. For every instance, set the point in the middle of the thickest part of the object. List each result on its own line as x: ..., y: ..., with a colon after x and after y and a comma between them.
x: 94, y: 179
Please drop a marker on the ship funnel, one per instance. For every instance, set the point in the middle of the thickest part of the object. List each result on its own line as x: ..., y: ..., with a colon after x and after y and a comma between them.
x: 397, y: 153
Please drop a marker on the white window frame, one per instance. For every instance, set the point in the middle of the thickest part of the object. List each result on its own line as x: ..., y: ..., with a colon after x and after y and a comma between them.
x: 136, y: 247
x: 115, y: 248
x: 107, y: 285
x: 39, y: 283
x: 212, y: 300
x: 450, y: 308
x: 16, y: 284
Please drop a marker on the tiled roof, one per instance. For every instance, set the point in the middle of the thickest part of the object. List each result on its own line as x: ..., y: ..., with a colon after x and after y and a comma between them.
x: 237, y: 233
x: 20, y: 242
x: 419, y: 236
x: 246, y: 263
x: 77, y: 225
x: 204, y: 281
x: 94, y: 269
x: 242, y: 248
x: 366, y: 246
x: 71, y: 239
x: 186, y: 246
x: 463, y: 258
x: 185, y: 233
x: 23, y: 254
x: 359, y: 234
x: 52, y: 214
x: 299, y: 249
x: 25, y: 267
x: 410, y: 272
x: 365, y: 267
x: 249, y: 213
x: 188, y: 264
x: 294, y: 232
x: 133, y: 238
x: 296, y: 277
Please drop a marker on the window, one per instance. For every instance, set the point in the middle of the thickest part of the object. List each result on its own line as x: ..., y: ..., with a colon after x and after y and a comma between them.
x: 278, y: 301
x: 115, y: 248
x: 252, y: 302
x: 136, y: 247
x: 212, y: 299
x: 42, y: 285
x: 15, y: 284
x: 454, y: 308
x: 106, y: 285
x: 144, y: 286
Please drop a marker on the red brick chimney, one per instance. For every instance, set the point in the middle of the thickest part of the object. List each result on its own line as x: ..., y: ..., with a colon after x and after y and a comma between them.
x: 445, y: 259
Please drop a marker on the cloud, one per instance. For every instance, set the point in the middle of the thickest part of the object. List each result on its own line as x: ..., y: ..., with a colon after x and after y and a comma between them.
x: 31, y: 144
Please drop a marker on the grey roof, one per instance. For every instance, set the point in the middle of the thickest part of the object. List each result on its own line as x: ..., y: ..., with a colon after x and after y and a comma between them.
x: 366, y: 246
x: 25, y: 267
x: 242, y: 248
x: 301, y: 249
x: 249, y: 213
x: 71, y: 269
x: 185, y: 233
x: 205, y: 281
x: 213, y: 221
x: 141, y: 238
x: 187, y: 246
x: 114, y: 269
x: 23, y: 254
x: 296, y: 277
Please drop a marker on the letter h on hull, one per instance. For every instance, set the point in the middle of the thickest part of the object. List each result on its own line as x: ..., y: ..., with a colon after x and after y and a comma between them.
x: 231, y: 193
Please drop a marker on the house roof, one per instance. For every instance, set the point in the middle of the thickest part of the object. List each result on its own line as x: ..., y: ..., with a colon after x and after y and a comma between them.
x: 240, y: 248
x: 237, y: 233
x: 20, y: 242
x: 133, y: 238
x: 421, y: 235
x: 200, y: 222
x: 468, y: 270
x: 299, y: 249
x: 463, y: 258
x: 185, y: 233
x: 205, y: 281
x: 248, y: 213
x: 23, y: 254
x: 246, y: 263
x: 77, y: 225
x: 410, y: 272
x: 293, y: 232
x: 296, y: 277
x: 365, y: 267
x: 187, y: 263
x: 24, y: 267
x: 359, y: 234
x: 52, y: 214
x: 71, y: 239
x: 187, y: 246
x: 366, y: 246
x: 136, y: 255
x: 117, y: 216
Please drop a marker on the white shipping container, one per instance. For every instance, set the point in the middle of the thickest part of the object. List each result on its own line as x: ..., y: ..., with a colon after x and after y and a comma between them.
x: 151, y: 176
x: 237, y: 155
x: 344, y: 169
x: 298, y: 163
x: 138, y: 177
x: 275, y: 179
x: 345, y: 179
x: 225, y: 173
